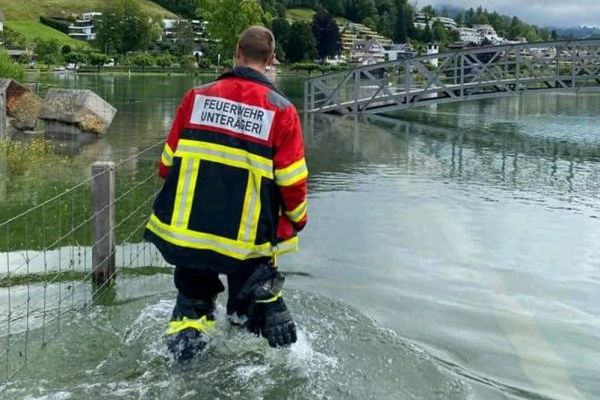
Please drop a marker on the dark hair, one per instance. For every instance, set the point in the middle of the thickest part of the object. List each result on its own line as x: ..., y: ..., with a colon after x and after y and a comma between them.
x: 257, y: 44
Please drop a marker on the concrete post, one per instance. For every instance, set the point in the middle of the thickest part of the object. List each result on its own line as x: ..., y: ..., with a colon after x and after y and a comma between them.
x: 103, y: 196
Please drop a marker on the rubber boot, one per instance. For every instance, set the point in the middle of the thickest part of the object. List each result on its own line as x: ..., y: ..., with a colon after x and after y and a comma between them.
x: 189, y: 328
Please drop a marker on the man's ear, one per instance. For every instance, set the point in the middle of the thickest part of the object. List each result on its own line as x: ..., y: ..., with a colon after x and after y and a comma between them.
x: 271, y: 59
x: 237, y: 56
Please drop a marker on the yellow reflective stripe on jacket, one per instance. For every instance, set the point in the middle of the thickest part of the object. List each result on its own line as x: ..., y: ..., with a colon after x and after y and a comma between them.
x: 291, y: 174
x: 184, y: 197
x: 225, y: 155
x: 298, y: 213
x: 167, y: 156
x: 251, y: 210
x: 202, y: 325
x: 203, y: 241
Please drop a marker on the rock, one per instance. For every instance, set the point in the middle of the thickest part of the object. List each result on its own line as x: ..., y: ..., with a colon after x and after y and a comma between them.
x: 22, y: 105
x: 73, y: 111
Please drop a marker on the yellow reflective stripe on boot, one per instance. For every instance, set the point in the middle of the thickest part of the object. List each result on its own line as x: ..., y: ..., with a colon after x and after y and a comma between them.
x: 201, y: 325
x: 272, y: 299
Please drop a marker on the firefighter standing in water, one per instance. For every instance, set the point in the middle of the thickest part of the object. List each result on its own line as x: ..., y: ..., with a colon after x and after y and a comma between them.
x: 233, y: 199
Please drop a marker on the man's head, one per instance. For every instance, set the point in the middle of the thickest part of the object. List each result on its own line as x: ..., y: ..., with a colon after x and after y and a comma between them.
x: 255, y: 48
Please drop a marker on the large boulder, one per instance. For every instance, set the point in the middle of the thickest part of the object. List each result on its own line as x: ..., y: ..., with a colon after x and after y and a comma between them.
x: 76, y: 111
x: 23, y: 106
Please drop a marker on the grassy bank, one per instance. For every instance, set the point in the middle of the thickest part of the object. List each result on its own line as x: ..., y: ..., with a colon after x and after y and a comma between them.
x: 30, y: 10
x: 32, y: 30
x: 74, y: 276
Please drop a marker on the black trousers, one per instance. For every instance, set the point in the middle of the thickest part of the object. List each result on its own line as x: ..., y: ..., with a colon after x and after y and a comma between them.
x: 206, y: 285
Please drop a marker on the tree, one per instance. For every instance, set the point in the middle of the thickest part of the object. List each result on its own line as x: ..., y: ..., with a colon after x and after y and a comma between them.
x: 48, y: 51
x: 184, y: 38
x: 439, y: 32
x: 335, y: 7
x: 358, y: 10
x: 185, y: 8
x: 142, y: 60
x: 401, y: 31
x: 429, y: 11
x: 124, y: 27
x: 188, y: 62
x: 76, y: 58
x: 228, y: 18
x: 427, y: 35
x: 98, y: 60
x: 165, y: 61
x: 281, y: 29
x: 301, y: 42
x: 327, y: 35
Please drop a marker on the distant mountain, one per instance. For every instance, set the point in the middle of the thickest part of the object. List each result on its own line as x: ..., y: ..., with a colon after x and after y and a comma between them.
x: 582, y: 32
x: 453, y: 11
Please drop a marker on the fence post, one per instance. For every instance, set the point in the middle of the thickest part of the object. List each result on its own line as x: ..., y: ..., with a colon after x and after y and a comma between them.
x: 103, y: 196
x: 2, y: 114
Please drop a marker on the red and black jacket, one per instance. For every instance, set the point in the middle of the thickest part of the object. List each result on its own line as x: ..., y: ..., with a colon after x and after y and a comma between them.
x: 235, y: 176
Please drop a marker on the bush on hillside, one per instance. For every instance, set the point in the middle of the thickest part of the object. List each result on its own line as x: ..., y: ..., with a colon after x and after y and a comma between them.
x: 56, y: 23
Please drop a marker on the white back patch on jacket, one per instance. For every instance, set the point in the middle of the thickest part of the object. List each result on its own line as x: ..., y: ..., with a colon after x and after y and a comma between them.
x: 218, y: 112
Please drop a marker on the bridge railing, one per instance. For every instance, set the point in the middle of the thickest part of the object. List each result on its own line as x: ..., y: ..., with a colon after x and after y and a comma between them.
x: 475, y: 73
x: 48, y: 253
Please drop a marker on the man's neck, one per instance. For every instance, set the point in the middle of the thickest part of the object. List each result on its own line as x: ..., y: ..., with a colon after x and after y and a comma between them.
x: 255, y: 66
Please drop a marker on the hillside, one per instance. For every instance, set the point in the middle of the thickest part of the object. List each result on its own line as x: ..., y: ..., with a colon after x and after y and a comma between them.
x: 306, y: 15
x: 30, y: 10
x: 32, y: 30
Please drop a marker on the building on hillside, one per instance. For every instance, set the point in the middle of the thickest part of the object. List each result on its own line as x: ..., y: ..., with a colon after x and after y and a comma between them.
x: 448, y: 23
x: 469, y: 35
x: 354, y: 39
x: 487, y: 32
x: 83, y: 27
x: 396, y: 52
x: 348, y: 40
x: 169, y: 26
x: 367, y: 52
x: 421, y: 21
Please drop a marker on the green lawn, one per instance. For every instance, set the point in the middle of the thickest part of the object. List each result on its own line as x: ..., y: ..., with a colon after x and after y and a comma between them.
x: 32, y: 30
x: 30, y: 10
x: 306, y: 15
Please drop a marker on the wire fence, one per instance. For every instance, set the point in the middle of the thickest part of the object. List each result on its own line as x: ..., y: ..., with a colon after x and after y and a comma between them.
x: 47, y: 261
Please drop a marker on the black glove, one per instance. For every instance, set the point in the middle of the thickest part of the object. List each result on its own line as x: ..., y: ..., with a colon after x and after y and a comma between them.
x: 268, y: 315
x: 278, y: 327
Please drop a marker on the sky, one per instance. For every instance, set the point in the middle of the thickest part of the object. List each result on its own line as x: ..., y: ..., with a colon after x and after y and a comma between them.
x: 560, y: 13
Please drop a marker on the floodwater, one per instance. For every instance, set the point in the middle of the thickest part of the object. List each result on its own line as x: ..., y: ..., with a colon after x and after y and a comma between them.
x: 451, y: 253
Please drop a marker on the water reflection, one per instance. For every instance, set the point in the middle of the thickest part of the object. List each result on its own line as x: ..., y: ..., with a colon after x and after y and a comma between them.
x: 445, y: 147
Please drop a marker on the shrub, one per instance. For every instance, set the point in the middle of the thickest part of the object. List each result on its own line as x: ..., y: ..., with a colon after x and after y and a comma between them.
x: 308, y: 67
x: 165, y: 61
x: 227, y: 64
x: 56, y: 23
x: 203, y: 63
x: 9, y: 68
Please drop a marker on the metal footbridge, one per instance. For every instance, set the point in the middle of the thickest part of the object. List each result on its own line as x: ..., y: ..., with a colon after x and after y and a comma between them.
x: 478, y: 73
